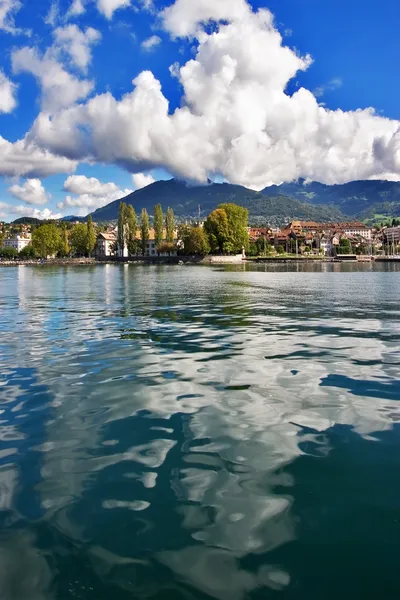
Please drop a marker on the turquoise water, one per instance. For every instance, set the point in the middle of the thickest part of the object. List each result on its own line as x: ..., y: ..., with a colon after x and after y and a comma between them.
x: 186, y: 433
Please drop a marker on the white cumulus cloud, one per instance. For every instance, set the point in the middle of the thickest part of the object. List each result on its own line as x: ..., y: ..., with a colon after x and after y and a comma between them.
x: 7, y: 94
x: 236, y: 118
x: 77, y: 8
x: 25, y: 159
x: 105, y: 7
x: 59, y: 88
x: 53, y: 14
x: 108, y: 7
x: 72, y: 47
x: 76, y: 44
x: 8, y: 9
x: 80, y: 184
x: 141, y: 180
x: 151, y: 43
x: 183, y: 17
x: 28, y: 211
x: 90, y: 193
x: 31, y: 191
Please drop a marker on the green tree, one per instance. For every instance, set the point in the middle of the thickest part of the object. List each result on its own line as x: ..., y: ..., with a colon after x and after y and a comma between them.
x: 131, y: 222
x: 8, y: 252
x: 91, y: 236
x: 122, y: 217
x: 226, y: 228
x: 280, y: 249
x: 46, y: 240
x: 166, y: 248
x: 78, y: 239
x: 170, y: 225
x: 217, y: 229
x: 194, y: 240
x: 344, y: 246
x: 253, y: 249
x: 64, y: 246
x: 27, y: 252
x: 362, y: 249
x: 238, y: 220
x: 2, y: 238
x: 144, y: 230
x: 158, y: 225
x: 263, y: 246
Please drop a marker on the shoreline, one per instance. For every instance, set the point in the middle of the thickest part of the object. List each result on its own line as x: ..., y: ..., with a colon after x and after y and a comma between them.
x: 50, y: 262
x: 182, y: 260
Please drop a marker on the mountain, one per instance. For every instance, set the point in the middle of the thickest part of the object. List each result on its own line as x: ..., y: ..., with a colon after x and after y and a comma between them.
x: 183, y: 198
x: 185, y: 201
x: 357, y: 199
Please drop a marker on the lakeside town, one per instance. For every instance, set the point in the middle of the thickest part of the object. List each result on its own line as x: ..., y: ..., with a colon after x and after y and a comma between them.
x: 225, y: 232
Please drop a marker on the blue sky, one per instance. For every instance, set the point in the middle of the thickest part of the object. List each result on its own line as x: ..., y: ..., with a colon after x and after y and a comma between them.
x: 355, y: 51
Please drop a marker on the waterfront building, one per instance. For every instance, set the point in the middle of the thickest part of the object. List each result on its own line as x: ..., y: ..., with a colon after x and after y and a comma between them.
x: 392, y: 235
x: 256, y: 232
x: 18, y: 242
x: 348, y: 228
x: 106, y: 244
x: 151, y: 249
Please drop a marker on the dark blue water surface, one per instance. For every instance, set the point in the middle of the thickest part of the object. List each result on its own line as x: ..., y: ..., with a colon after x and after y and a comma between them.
x: 187, y: 433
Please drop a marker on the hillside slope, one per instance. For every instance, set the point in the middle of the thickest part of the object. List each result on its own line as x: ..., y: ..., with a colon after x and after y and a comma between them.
x: 354, y: 199
x: 185, y: 201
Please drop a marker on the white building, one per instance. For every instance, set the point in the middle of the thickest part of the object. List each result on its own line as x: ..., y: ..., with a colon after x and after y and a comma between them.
x: 326, y: 245
x: 151, y: 246
x: 18, y: 241
x: 151, y: 249
x: 106, y: 244
x: 392, y: 235
x: 348, y: 228
x: 357, y: 229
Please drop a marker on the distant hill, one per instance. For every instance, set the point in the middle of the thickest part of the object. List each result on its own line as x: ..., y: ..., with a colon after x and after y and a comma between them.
x: 358, y: 199
x: 73, y: 218
x: 280, y: 209
x: 26, y: 221
x: 185, y: 200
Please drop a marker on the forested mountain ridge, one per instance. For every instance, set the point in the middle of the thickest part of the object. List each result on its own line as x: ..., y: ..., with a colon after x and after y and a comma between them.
x: 186, y: 201
x: 357, y: 199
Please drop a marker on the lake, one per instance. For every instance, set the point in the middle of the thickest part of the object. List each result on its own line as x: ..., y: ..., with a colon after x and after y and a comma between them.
x: 187, y: 433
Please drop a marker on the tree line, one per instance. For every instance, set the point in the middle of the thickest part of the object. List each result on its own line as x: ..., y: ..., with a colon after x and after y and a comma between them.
x: 223, y: 232
x: 52, y: 240
x: 128, y: 226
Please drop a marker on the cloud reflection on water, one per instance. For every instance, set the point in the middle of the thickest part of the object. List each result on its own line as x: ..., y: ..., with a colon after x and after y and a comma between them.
x: 202, y: 383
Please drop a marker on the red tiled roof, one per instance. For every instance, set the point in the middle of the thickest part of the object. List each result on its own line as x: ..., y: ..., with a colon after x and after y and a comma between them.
x: 111, y: 237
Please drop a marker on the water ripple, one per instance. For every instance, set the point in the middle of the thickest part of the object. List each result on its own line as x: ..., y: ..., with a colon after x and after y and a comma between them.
x: 186, y: 433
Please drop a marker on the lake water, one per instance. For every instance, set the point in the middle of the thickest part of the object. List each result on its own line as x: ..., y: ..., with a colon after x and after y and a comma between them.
x: 187, y: 433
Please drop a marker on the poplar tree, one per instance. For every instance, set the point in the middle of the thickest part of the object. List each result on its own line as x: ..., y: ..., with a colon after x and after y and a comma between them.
x: 64, y: 246
x: 131, y: 222
x: 158, y: 225
x: 91, y: 236
x: 121, y: 228
x: 144, y: 230
x: 170, y: 225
